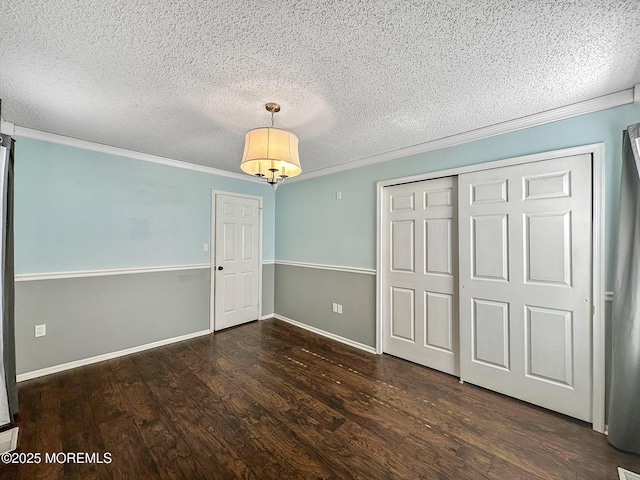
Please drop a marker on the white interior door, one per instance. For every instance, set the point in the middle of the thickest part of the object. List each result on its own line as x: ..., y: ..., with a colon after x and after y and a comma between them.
x: 236, y: 260
x: 420, y: 244
x: 525, y: 282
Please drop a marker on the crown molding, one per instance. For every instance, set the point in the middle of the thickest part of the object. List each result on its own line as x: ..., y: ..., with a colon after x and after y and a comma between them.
x: 99, y: 147
x: 623, y: 97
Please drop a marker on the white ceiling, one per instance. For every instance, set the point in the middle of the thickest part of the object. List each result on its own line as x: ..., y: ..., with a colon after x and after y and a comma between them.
x: 186, y: 80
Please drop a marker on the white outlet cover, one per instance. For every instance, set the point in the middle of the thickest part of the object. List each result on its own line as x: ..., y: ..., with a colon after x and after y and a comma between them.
x: 334, y: 307
x: 41, y: 330
x: 339, y: 195
x: 205, y: 247
x: 340, y: 309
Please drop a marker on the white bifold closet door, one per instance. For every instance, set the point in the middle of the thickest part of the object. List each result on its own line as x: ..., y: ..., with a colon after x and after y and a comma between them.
x: 525, y: 282
x: 419, y: 264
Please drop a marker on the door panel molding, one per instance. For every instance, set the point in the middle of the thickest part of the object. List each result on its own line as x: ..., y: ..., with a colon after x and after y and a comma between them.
x: 542, y: 368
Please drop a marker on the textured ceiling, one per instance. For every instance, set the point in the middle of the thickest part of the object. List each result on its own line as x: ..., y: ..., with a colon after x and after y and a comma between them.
x: 186, y: 80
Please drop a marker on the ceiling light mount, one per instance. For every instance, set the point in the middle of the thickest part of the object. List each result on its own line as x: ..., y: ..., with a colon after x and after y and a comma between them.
x: 272, y: 107
x: 271, y: 154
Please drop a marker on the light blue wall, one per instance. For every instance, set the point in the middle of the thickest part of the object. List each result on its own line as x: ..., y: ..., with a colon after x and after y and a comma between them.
x: 312, y: 226
x: 77, y: 209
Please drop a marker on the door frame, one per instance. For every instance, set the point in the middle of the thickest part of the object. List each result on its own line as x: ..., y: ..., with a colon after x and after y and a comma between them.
x: 597, y: 151
x: 212, y: 251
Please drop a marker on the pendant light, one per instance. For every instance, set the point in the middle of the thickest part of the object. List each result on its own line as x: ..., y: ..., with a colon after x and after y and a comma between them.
x: 271, y: 154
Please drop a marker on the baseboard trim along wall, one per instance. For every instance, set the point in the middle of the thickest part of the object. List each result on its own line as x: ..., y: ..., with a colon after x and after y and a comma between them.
x: 336, y: 268
x: 324, y: 333
x: 107, y: 356
x: 27, y: 277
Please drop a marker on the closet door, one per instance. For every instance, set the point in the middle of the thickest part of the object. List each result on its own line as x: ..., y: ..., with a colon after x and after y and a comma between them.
x: 419, y: 286
x: 525, y: 282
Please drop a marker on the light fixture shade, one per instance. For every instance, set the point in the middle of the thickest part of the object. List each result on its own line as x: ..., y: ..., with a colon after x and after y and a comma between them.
x: 266, y: 149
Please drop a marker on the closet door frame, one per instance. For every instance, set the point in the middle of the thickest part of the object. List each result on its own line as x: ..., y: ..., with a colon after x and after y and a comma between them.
x: 597, y: 254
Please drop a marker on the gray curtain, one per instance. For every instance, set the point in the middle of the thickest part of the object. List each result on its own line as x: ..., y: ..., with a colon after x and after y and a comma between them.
x: 624, y: 400
x: 8, y: 390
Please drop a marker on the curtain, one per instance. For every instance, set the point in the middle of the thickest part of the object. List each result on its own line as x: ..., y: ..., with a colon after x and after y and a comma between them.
x: 624, y: 398
x: 8, y: 390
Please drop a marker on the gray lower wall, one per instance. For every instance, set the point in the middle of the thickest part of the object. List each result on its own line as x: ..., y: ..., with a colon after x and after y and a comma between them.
x: 91, y: 316
x: 306, y: 295
x: 268, y: 283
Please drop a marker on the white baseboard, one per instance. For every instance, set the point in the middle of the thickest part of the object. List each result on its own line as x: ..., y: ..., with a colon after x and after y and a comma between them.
x: 324, y: 333
x: 106, y: 356
x: 266, y: 316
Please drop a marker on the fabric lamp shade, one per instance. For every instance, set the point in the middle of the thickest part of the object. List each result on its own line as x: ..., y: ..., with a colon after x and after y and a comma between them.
x: 271, y: 152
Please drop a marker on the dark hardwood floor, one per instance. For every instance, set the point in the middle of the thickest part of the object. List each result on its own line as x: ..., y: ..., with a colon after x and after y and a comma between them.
x: 270, y: 401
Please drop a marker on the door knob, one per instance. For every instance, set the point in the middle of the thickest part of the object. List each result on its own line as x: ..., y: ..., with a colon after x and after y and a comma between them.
x: 220, y: 268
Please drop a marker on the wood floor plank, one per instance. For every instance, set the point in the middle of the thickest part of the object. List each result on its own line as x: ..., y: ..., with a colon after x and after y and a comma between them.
x: 501, y: 469
x: 268, y: 400
x: 476, y: 463
x: 47, y: 433
x: 131, y: 459
x: 255, y: 416
x: 316, y: 424
x: 80, y: 433
x: 170, y: 453
x: 192, y: 409
x: 302, y: 421
x: 403, y: 420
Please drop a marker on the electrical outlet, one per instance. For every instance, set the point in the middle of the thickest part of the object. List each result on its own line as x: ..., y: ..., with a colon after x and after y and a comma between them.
x: 41, y: 330
x: 205, y: 247
x: 339, y: 195
x: 334, y: 307
x: 340, y: 309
